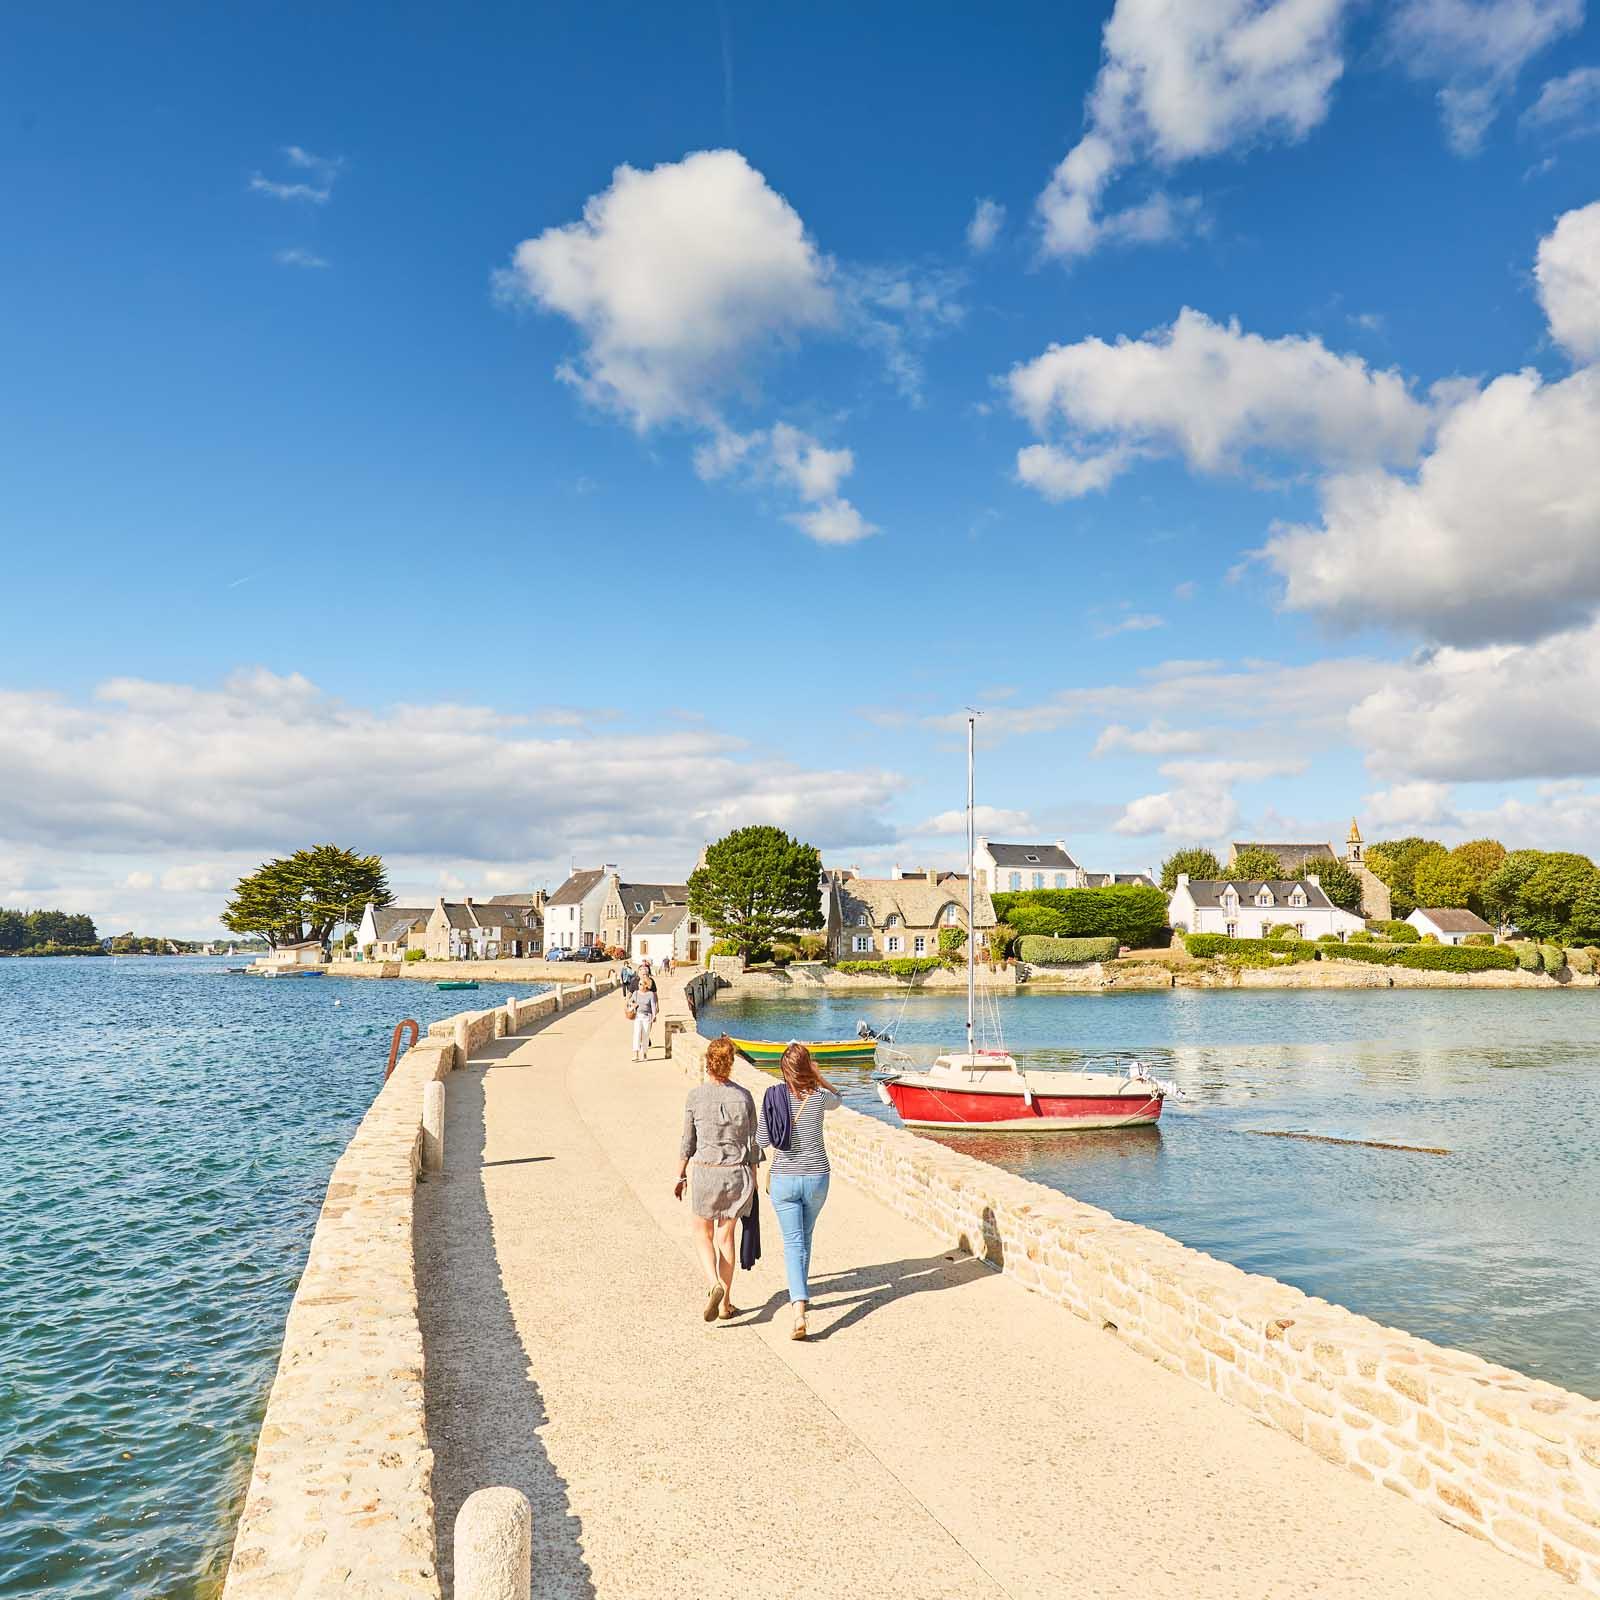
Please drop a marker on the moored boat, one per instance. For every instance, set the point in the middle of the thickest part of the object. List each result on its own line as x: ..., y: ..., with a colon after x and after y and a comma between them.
x: 831, y: 1052
x: 457, y: 983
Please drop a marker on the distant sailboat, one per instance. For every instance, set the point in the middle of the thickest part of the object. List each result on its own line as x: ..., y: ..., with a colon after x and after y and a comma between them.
x: 985, y: 1091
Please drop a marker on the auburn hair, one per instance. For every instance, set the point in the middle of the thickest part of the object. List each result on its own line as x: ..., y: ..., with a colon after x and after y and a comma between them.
x: 799, y: 1071
x: 719, y: 1057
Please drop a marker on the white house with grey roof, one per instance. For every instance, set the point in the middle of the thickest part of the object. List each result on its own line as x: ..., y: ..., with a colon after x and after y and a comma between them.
x: 1447, y: 924
x: 386, y: 932
x: 1251, y: 908
x: 1005, y: 867
x: 574, y: 914
x: 667, y: 930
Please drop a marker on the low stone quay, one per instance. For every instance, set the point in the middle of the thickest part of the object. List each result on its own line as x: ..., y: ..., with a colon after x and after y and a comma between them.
x: 1006, y: 1393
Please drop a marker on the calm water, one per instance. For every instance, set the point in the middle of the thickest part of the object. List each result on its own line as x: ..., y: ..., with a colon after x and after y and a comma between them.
x: 169, y: 1134
x: 1494, y: 1248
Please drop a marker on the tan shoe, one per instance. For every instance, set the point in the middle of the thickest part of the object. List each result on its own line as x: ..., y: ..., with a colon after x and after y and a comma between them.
x: 729, y: 1309
x: 799, y: 1329
x: 713, y: 1300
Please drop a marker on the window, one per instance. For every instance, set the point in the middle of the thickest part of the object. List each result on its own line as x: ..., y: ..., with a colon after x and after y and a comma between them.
x: 1016, y: 880
x: 894, y: 920
x: 1231, y: 929
x: 1030, y: 858
x: 1038, y: 880
x: 1266, y: 928
x: 1061, y: 880
x: 1300, y: 928
x: 1264, y: 898
x: 892, y: 943
x: 919, y: 945
x: 862, y: 920
x: 862, y: 941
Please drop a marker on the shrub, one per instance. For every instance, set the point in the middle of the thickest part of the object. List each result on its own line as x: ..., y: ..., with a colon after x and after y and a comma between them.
x: 952, y: 941
x: 1361, y: 936
x: 1327, y: 938
x: 1356, y: 949
x: 1250, y: 952
x: 1527, y: 956
x: 1552, y: 958
x: 723, y: 947
x: 1457, y: 958
x: 1284, y: 930
x: 898, y: 967
x: 416, y: 955
x: 1131, y: 913
x: 1580, y: 961
x: 1000, y: 938
x: 814, y: 946
x: 1479, y: 938
x: 1040, y: 951
x: 1399, y: 932
x: 1429, y: 938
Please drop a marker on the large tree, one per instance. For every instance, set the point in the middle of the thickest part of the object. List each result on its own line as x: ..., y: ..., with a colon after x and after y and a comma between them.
x: 301, y: 897
x: 756, y: 883
x: 1395, y: 863
x: 1195, y: 860
x: 13, y: 930
x: 1444, y: 880
x: 1502, y: 889
x: 1255, y: 861
x: 1550, y: 897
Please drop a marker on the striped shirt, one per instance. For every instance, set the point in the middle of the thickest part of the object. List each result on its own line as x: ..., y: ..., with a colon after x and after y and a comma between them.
x: 807, y: 1155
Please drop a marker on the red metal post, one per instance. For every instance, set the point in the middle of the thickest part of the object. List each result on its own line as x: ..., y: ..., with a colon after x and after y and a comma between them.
x: 394, y: 1043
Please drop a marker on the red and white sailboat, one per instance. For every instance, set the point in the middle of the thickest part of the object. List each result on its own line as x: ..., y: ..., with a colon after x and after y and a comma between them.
x: 985, y: 1090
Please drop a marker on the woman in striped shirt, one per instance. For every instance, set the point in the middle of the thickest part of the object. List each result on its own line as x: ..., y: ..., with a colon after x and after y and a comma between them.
x: 799, y: 1170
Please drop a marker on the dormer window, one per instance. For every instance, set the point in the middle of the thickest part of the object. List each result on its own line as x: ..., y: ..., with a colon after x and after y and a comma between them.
x: 1298, y: 898
x: 950, y: 916
x: 1265, y: 897
x: 863, y: 920
x: 893, y: 920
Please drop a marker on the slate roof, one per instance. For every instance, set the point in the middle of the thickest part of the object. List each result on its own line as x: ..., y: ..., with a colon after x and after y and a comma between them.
x: 1447, y: 919
x: 917, y: 901
x: 1102, y: 880
x: 1030, y: 855
x: 1208, y: 892
x: 663, y: 919
x: 1289, y: 856
x: 392, y: 921
x: 528, y: 899
x: 651, y: 894
x: 577, y: 886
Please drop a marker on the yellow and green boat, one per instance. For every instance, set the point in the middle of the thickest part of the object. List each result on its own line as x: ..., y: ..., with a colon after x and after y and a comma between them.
x: 826, y: 1053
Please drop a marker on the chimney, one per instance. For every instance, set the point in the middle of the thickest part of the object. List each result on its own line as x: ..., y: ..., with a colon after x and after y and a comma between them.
x: 1311, y: 877
x: 1183, y: 880
x: 466, y: 899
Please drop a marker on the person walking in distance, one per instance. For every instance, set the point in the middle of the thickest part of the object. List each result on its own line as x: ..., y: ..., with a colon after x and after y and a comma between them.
x: 790, y: 1127
x: 717, y: 1161
x: 644, y: 1015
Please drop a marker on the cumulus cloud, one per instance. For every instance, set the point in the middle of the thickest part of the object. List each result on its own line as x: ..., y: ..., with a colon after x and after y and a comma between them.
x: 1201, y: 803
x: 1568, y: 275
x: 835, y: 522
x: 1408, y: 807
x: 1568, y: 106
x: 678, y: 279
x: 1496, y: 538
x: 988, y: 219
x: 272, y: 762
x: 794, y: 460
x: 1183, y: 79
x: 990, y: 821
x: 1211, y: 393
x: 1157, y: 738
x: 1477, y: 48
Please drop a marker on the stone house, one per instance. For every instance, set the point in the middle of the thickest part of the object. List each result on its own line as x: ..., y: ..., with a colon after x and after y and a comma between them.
x: 469, y: 931
x: 1026, y: 866
x: 872, y: 919
x: 627, y: 904
x: 1447, y: 924
x: 668, y: 930
x: 387, y: 932
x: 1246, y: 908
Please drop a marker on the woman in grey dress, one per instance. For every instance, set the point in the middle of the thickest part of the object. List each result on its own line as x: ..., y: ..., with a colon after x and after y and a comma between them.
x: 717, y: 1161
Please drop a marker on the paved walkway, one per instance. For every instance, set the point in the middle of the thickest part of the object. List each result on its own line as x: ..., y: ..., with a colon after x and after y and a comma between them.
x: 943, y: 1433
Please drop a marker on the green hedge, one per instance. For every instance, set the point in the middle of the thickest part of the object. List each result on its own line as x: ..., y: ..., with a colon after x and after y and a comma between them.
x: 1552, y: 958
x: 1130, y: 913
x: 1381, y: 955
x: 1429, y: 957
x: 1527, y: 956
x: 1399, y: 932
x: 416, y: 955
x: 1039, y: 951
x: 1581, y: 961
x: 1251, y: 952
x: 896, y: 967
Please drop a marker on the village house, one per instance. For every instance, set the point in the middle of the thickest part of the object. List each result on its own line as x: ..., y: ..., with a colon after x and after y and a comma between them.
x: 668, y: 930
x: 574, y: 914
x: 1252, y: 908
x: 387, y: 932
x: 470, y: 931
x: 1106, y: 880
x: 1025, y: 866
x: 1375, y: 901
x: 877, y: 918
x: 626, y: 905
x: 1447, y: 924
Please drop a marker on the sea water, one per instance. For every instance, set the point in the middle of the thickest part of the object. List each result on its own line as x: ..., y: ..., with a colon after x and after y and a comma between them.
x: 168, y: 1134
x: 1493, y: 1247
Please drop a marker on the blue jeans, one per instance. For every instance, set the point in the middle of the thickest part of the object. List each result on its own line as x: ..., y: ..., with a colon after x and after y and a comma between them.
x: 797, y: 1202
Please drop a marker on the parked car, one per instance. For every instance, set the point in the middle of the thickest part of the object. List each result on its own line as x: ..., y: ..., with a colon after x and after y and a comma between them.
x: 590, y: 952
x: 555, y: 953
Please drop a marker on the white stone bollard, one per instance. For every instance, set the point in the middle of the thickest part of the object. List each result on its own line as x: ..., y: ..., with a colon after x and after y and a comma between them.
x: 561, y: 995
x: 433, y: 1127
x: 463, y: 1048
x: 494, y: 1546
x: 511, y: 1015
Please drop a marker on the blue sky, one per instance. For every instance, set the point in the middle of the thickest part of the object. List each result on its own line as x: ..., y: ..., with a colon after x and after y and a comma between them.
x: 504, y: 436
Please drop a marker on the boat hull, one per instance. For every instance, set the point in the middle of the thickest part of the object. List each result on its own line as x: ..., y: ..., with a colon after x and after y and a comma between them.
x: 924, y: 1102
x: 835, y: 1052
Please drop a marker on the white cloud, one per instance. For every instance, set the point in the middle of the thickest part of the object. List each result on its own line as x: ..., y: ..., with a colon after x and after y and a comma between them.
x: 299, y: 258
x: 1477, y: 47
x: 1201, y: 805
x: 317, y: 190
x: 678, y: 279
x: 271, y: 763
x: 1214, y: 395
x: 1496, y: 537
x: 988, y: 219
x: 897, y: 312
x: 1139, y: 622
x: 1568, y: 274
x: 990, y: 821
x: 1183, y: 79
x: 318, y: 194
x: 816, y: 473
x: 836, y: 522
x: 1158, y: 738
x: 139, y: 880
x: 1497, y: 713
x: 1568, y: 106
x: 325, y: 167
x: 1409, y: 806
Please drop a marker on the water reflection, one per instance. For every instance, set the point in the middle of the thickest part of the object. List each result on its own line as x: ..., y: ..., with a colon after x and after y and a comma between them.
x: 1492, y: 1247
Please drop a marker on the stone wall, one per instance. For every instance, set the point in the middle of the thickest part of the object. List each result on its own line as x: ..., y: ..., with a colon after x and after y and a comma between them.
x: 787, y: 982
x: 341, y: 1493
x: 1505, y: 1457
x: 518, y: 969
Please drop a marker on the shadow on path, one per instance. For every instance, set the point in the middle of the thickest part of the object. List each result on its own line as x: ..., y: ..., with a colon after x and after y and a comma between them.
x: 867, y: 1289
x: 484, y: 1411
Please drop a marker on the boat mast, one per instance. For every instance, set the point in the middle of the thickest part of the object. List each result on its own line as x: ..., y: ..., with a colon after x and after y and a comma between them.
x: 972, y: 930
